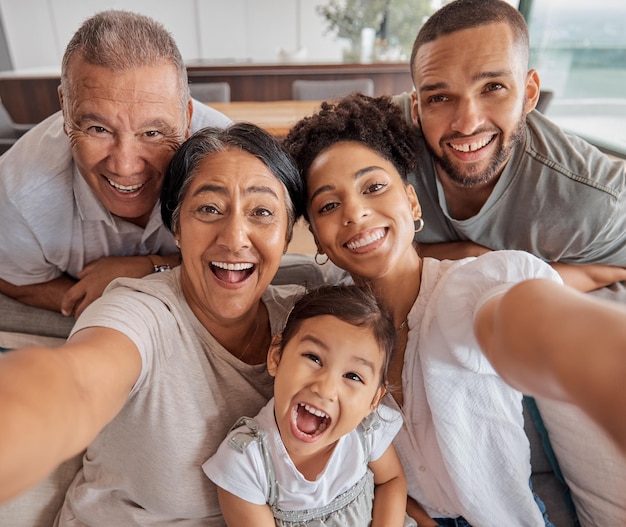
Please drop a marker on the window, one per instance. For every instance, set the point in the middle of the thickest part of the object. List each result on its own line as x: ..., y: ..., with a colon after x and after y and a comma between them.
x: 579, y: 49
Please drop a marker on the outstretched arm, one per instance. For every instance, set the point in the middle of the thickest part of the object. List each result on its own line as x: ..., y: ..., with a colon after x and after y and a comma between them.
x: 53, y: 402
x: 390, y: 492
x: 241, y: 513
x: 552, y: 341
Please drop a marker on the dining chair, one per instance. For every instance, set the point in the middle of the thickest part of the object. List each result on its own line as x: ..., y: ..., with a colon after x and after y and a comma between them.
x: 306, y: 90
x: 210, y: 91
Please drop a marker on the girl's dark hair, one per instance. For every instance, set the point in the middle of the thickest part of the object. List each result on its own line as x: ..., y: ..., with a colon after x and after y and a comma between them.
x: 352, y: 304
x: 375, y: 122
x: 239, y: 136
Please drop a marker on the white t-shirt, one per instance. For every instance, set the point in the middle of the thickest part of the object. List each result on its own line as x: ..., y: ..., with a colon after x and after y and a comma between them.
x: 463, y: 445
x: 244, y: 473
x: 145, y: 467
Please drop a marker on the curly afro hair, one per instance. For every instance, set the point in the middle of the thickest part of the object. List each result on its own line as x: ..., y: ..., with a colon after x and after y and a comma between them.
x: 375, y: 122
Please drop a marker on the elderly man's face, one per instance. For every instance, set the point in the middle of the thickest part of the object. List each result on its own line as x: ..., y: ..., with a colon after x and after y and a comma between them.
x: 124, y: 128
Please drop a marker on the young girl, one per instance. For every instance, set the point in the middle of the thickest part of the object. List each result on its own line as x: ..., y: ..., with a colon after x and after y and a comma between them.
x: 462, y: 446
x: 304, y: 459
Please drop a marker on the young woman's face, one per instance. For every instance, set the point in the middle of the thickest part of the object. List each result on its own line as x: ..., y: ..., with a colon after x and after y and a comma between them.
x: 326, y: 381
x: 232, y: 233
x: 361, y: 212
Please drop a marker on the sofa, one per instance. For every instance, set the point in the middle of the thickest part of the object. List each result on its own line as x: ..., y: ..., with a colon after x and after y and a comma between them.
x: 576, y: 469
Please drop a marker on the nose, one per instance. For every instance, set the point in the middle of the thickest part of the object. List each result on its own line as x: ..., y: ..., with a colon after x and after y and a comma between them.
x: 354, y: 210
x: 234, y: 235
x: 467, y: 118
x: 126, y: 156
x: 325, y: 386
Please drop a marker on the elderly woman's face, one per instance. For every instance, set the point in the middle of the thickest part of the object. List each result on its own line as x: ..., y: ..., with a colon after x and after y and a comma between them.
x: 232, y: 232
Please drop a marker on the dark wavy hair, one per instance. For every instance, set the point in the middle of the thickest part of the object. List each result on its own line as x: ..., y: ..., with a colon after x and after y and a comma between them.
x: 352, y: 304
x: 239, y: 136
x: 375, y: 122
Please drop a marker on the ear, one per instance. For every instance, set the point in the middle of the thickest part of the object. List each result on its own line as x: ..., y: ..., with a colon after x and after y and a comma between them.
x: 532, y: 90
x: 380, y: 393
x: 416, y: 208
x: 415, y: 116
x: 273, y: 355
x: 317, y: 243
x: 189, y: 115
x: 60, y: 94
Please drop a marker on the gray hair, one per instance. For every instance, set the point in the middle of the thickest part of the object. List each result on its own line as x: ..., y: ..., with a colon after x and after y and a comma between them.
x: 121, y: 40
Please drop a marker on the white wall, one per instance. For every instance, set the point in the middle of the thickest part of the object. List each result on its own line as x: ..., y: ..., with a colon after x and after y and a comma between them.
x: 37, y: 31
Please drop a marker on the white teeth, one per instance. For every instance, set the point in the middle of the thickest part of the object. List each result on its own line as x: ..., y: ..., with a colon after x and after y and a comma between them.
x: 472, y: 147
x: 240, y: 266
x: 370, y: 238
x: 314, y: 411
x: 124, y: 188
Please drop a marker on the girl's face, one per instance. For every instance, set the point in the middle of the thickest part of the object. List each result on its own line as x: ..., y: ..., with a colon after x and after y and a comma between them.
x: 327, y: 380
x: 232, y: 232
x: 361, y: 212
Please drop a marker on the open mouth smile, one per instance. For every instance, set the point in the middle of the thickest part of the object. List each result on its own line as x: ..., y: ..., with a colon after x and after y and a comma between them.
x: 472, y: 147
x: 360, y: 241
x: 309, y: 423
x: 123, y: 188
x: 232, y: 272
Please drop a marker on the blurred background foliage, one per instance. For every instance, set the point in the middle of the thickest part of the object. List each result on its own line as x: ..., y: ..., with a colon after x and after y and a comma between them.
x: 396, y: 23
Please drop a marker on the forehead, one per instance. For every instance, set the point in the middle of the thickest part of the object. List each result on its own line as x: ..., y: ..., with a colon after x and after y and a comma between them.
x: 345, y: 159
x: 343, y: 341
x: 467, y: 53
x: 235, y: 170
x: 146, y: 91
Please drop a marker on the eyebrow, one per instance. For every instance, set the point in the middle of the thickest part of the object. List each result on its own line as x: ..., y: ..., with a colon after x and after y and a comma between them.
x: 312, y: 338
x: 358, y: 174
x: 94, y: 117
x: 483, y: 75
x: 219, y: 189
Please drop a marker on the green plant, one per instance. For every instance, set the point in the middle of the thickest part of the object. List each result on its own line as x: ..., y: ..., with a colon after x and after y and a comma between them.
x: 396, y: 21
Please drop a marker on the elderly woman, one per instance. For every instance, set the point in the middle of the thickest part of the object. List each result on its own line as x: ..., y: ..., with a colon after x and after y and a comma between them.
x: 157, y: 370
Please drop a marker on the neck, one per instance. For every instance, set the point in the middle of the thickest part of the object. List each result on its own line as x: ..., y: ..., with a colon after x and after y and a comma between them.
x: 464, y: 202
x: 398, y: 289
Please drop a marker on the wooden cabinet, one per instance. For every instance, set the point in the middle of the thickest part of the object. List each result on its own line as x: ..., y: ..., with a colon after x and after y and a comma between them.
x: 32, y: 98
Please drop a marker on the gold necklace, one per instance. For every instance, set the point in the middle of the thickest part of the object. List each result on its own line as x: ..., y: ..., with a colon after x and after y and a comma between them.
x: 403, y: 325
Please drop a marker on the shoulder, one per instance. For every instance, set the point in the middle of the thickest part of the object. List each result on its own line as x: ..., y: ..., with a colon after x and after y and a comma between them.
x: 40, y: 161
x: 204, y: 115
x: 279, y: 299
x: 574, y: 158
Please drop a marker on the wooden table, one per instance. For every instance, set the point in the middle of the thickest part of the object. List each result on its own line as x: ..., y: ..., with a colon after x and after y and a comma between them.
x: 276, y: 117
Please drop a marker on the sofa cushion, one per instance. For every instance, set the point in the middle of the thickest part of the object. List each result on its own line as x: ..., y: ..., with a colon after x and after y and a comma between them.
x: 593, y: 467
x: 546, y: 478
x: 38, y: 506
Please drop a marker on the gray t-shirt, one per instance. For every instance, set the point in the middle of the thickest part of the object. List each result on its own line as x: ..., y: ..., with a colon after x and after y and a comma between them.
x: 145, y: 467
x: 52, y: 223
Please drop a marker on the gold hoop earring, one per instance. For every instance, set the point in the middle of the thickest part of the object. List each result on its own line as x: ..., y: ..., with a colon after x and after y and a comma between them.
x: 421, y: 224
x: 320, y: 254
